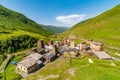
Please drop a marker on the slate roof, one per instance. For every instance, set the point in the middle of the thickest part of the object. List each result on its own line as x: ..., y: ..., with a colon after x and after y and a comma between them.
x: 64, y: 49
x: 96, y: 43
x: 67, y: 49
x: 34, y: 56
x: 40, y: 50
x: 31, y: 60
x: 27, y: 62
x: 39, y: 62
x: 74, y: 50
x: 49, y: 55
x: 49, y: 47
x: 30, y: 52
x: 102, y: 55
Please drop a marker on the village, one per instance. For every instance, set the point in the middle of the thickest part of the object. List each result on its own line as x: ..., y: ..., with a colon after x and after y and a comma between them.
x: 45, y: 53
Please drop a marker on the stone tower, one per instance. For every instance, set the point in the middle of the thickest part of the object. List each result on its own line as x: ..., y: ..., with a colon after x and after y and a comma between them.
x: 65, y: 41
x: 54, y: 49
x: 72, y: 41
x: 50, y: 42
x: 40, y: 43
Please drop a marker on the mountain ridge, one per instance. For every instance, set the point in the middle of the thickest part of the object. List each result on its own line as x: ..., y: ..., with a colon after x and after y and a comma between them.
x: 103, y: 27
x: 54, y: 29
x: 12, y: 19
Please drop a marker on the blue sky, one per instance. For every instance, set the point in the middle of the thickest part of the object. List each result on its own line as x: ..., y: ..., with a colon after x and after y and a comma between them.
x: 59, y: 12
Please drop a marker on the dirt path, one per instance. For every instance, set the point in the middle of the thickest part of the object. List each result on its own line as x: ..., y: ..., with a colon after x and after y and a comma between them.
x: 112, y: 47
x: 72, y: 71
x: 5, y: 63
x: 48, y: 77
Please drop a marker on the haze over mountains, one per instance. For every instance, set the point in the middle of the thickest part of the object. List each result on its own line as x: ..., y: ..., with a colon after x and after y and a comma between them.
x: 54, y: 29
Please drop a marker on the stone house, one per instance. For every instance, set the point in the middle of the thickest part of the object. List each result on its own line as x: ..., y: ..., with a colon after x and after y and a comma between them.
x: 50, y: 54
x: 82, y: 46
x: 91, y: 45
x: 95, y: 49
x: 89, y: 41
x: 30, y: 52
x: 49, y: 57
x: 51, y: 48
x: 34, y: 56
x: 40, y: 50
x: 65, y: 51
x: 74, y: 52
x: 36, y: 50
x: 102, y: 55
x: 30, y: 63
x: 97, y: 46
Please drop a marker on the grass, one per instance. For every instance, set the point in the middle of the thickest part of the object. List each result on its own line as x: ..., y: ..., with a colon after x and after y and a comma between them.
x: 18, y: 33
x: 10, y: 19
x: 104, y: 27
x: 15, y: 41
x: 10, y: 70
x: 99, y: 70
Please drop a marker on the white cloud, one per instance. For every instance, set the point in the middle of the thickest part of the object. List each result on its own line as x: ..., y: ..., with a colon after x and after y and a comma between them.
x: 71, y: 19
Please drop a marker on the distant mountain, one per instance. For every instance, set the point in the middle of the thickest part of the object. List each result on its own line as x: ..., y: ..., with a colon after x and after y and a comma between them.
x: 10, y: 19
x: 54, y: 29
x: 104, y: 27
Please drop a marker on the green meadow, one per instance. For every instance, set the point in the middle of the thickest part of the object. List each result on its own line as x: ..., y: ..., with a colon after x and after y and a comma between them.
x: 102, y: 28
x: 81, y: 69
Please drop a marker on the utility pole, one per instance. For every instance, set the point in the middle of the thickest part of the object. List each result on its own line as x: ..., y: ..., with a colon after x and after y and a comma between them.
x: 70, y: 60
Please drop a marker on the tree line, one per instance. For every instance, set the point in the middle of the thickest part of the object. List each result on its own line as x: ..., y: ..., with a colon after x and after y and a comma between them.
x: 15, y: 44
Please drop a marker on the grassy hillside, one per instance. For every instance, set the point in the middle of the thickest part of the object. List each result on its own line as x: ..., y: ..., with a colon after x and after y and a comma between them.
x: 81, y: 69
x: 17, y: 32
x: 13, y: 20
x: 7, y: 33
x: 54, y: 29
x: 104, y: 27
x: 15, y: 40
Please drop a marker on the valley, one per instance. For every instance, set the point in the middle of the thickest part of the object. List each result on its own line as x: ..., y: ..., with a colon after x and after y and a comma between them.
x: 89, y: 50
